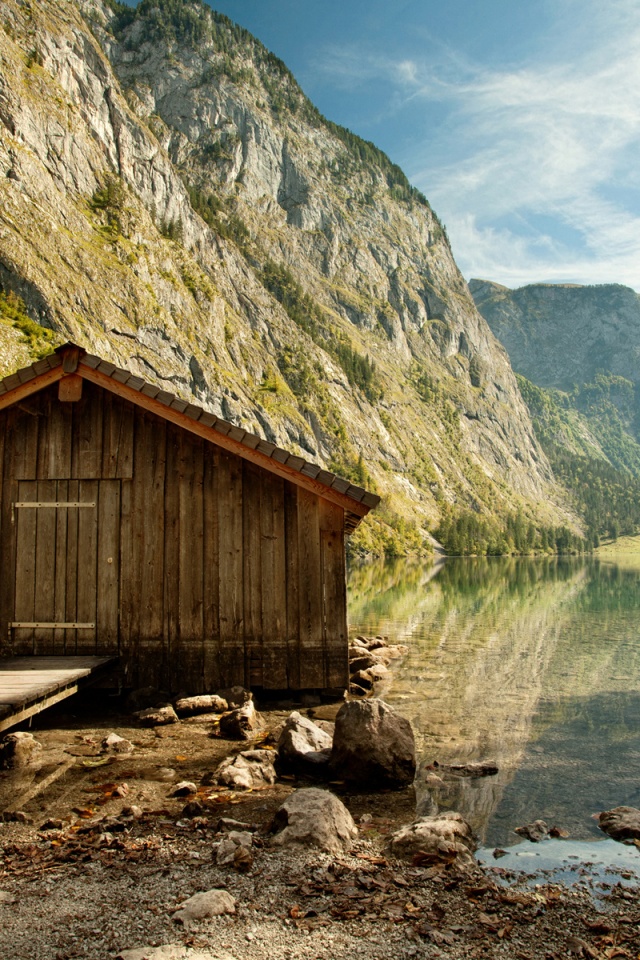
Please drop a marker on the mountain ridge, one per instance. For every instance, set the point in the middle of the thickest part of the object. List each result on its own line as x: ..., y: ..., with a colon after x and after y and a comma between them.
x: 286, y: 277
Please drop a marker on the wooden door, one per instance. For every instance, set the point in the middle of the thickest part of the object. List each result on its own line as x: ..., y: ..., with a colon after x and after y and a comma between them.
x: 67, y: 567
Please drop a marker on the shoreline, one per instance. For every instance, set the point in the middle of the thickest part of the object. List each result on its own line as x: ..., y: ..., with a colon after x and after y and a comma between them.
x: 69, y: 893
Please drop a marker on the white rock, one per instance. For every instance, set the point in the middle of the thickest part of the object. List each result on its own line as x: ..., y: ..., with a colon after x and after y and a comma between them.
x: 248, y: 770
x: 302, y: 742
x: 226, y: 852
x: 208, y: 903
x: 184, y: 788
x: 169, y: 951
x: 116, y: 744
x: 315, y: 818
x: 446, y: 835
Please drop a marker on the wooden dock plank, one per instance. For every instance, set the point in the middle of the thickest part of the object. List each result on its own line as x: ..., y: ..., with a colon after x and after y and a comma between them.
x: 29, y: 685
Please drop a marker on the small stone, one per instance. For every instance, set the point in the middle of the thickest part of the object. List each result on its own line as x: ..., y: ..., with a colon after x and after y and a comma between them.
x: 366, y: 661
x: 6, y: 897
x: 376, y: 643
x: 52, y: 824
x: 165, y: 773
x: 205, y: 703
x: 621, y: 823
x: 235, y: 696
x: 157, y: 716
x: 362, y: 679
x: 16, y: 816
x: 241, y: 723
x: 183, y: 789
x: 227, y: 849
x: 132, y: 811
x: 227, y: 824
x: 192, y: 809
x: 303, y: 744
x: 18, y: 750
x: 248, y: 770
x: 116, y: 744
x: 209, y: 903
x: 535, y: 831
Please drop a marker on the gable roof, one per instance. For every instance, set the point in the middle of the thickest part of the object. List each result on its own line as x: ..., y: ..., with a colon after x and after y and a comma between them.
x: 72, y: 360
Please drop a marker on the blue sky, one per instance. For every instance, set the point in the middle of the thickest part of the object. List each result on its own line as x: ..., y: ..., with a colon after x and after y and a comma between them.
x: 519, y: 119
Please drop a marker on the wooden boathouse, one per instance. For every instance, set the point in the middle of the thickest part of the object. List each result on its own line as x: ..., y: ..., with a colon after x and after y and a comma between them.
x: 136, y: 525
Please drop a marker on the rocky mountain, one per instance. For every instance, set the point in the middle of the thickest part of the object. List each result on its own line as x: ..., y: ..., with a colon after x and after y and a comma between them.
x: 578, y: 348
x: 172, y: 200
x: 558, y: 335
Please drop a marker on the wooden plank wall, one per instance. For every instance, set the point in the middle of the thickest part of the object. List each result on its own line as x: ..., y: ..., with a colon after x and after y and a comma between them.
x: 219, y: 572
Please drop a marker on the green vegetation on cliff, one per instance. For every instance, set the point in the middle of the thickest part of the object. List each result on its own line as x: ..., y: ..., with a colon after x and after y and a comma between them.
x: 603, y: 479
x: 40, y: 340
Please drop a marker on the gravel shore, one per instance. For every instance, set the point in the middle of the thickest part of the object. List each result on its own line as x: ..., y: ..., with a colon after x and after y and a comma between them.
x: 81, y: 889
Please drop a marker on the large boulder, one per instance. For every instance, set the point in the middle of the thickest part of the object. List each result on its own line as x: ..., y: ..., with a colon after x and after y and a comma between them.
x: 445, y: 837
x: 303, y: 745
x: 621, y: 823
x: 248, y: 770
x: 372, y: 744
x: 315, y: 818
x: 18, y: 750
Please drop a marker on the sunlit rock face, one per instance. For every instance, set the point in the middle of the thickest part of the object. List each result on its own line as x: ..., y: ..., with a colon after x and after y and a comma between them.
x: 114, y: 135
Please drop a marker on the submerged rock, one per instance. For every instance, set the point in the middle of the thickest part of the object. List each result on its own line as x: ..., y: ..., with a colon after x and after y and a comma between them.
x: 535, y: 831
x: 373, y: 744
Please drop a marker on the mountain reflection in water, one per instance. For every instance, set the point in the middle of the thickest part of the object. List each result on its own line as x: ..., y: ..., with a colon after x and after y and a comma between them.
x: 533, y: 663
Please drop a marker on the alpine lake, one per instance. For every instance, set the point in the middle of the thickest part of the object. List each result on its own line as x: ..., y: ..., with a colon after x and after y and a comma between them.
x: 534, y: 664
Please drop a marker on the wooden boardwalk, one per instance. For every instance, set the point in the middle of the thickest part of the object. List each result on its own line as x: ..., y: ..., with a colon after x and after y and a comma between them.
x: 31, y: 684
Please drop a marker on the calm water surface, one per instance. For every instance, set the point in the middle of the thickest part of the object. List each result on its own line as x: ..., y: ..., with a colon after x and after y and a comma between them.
x: 532, y: 663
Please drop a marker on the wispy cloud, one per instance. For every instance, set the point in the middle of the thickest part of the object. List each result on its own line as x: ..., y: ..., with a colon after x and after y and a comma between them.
x: 545, y: 140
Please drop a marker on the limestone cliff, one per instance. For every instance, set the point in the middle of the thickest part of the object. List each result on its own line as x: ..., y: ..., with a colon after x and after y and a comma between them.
x: 583, y: 345
x: 561, y: 334
x: 170, y: 198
